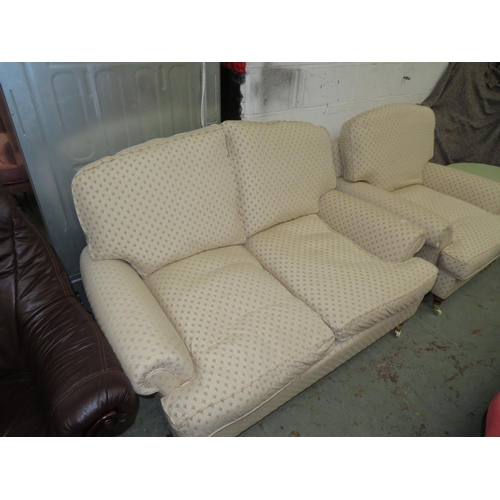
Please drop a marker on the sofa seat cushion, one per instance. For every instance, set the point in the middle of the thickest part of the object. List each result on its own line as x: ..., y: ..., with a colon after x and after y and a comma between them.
x: 476, y: 233
x: 248, y: 336
x: 351, y: 289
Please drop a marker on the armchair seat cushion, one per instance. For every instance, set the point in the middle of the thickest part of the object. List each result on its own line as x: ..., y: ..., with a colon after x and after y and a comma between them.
x: 247, y: 335
x: 349, y: 288
x: 476, y: 233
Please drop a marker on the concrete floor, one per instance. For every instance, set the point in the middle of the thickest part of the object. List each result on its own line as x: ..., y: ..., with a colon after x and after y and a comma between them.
x: 437, y: 379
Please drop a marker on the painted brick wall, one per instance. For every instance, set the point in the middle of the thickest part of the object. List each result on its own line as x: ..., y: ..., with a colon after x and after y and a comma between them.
x: 329, y: 94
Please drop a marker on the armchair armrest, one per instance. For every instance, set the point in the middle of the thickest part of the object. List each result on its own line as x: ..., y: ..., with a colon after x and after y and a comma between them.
x: 484, y: 193
x: 149, y: 348
x: 374, y: 229
x: 438, y: 231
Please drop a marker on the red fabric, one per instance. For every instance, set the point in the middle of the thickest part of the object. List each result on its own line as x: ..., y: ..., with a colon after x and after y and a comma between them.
x: 493, y: 418
x: 239, y: 67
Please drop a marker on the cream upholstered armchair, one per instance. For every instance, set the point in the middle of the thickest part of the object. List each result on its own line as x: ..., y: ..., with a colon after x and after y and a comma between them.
x: 382, y: 156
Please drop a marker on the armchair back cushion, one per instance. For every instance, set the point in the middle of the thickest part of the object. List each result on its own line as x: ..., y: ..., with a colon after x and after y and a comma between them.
x: 388, y: 146
x: 161, y: 201
x: 282, y: 169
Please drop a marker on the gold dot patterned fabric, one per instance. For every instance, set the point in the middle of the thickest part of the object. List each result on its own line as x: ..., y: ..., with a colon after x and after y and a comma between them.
x: 247, y: 335
x: 193, y: 314
x: 429, y: 254
x: 151, y: 353
x: 282, y: 169
x: 388, y: 146
x: 446, y: 284
x: 476, y: 233
x: 484, y: 193
x: 374, y: 229
x: 160, y: 201
x: 339, y: 353
x: 438, y: 230
x: 349, y: 288
x: 337, y: 158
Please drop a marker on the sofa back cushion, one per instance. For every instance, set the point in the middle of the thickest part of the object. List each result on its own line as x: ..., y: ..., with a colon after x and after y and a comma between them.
x: 160, y: 201
x: 388, y: 146
x: 282, y: 169
x: 337, y: 158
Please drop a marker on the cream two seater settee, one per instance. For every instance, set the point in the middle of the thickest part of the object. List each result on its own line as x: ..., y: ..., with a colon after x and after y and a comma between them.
x: 217, y: 283
x: 382, y: 156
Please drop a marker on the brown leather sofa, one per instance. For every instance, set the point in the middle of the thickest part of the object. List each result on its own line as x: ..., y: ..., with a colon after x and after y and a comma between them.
x: 58, y: 374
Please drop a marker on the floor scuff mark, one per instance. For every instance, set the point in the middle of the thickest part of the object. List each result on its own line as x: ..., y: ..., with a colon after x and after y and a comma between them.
x: 360, y: 392
x: 386, y: 369
x: 433, y: 344
x: 460, y: 368
x: 421, y: 431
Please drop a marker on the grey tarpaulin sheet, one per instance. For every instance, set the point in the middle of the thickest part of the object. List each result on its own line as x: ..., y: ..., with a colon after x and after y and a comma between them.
x: 466, y: 101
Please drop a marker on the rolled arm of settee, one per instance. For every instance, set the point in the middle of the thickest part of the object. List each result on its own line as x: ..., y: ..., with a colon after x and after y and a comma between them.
x: 374, y: 229
x: 146, y: 343
x: 484, y: 193
x: 438, y: 231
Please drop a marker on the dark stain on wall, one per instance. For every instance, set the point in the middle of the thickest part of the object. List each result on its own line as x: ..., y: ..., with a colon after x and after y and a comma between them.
x: 275, y: 84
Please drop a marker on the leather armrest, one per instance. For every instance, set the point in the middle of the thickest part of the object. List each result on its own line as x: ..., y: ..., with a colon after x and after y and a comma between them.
x: 374, y: 229
x: 484, y: 193
x: 77, y: 373
x: 78, y: 377
x: 438, y: 231
x: 149, y: 348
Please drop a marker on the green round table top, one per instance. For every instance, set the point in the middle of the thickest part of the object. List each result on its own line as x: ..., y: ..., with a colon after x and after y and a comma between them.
x: 488, y: 171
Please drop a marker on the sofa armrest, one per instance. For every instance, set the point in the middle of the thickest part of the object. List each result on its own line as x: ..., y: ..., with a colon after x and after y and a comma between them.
x: 146, y: 343
x: 82, y: 386
x: 484, y: 193
x: 79, y: 381
x: 374, y: 229
x: 438, y: 231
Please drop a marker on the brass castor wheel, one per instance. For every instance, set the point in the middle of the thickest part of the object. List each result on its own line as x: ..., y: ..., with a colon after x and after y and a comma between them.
x: 397, y: 331
x: 436, y: 305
